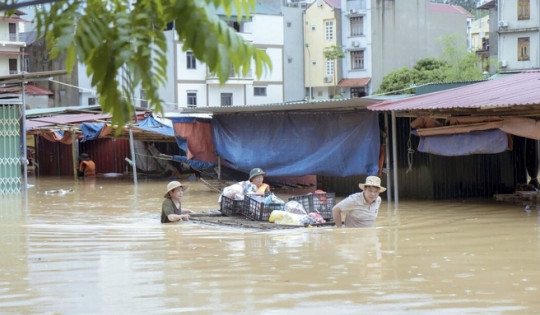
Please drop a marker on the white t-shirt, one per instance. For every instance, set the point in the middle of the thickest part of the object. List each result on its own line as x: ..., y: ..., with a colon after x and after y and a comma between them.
x: 358, y: 212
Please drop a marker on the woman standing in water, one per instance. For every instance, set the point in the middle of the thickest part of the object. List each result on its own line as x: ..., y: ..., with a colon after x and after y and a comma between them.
x: 171, y: 209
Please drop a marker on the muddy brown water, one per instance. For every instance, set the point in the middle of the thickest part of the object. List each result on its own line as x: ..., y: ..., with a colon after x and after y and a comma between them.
x: 100, y: 249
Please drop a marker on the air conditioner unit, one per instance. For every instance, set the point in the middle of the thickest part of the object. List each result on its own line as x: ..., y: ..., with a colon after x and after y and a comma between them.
x: 328, y: 79
x: 503, y: 24
x: 355, y: 43
x: 503, y: 63
x: 353, y: 11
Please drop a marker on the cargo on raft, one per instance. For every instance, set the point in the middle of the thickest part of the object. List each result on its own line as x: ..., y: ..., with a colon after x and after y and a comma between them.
x: 214, y: 217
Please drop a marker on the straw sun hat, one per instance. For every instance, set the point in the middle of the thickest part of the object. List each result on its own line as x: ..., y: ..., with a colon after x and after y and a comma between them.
x: 172, y: 185
x: 372, y: 181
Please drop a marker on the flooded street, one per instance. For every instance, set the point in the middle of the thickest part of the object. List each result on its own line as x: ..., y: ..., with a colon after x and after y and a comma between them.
x: 98, y: 247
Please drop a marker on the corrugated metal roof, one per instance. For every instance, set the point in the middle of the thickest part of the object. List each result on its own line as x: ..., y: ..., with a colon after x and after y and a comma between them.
x: 338, y: 104
x: 505, y: 96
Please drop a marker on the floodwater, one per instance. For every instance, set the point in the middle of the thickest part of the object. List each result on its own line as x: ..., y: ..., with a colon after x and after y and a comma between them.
x: 100, y: 249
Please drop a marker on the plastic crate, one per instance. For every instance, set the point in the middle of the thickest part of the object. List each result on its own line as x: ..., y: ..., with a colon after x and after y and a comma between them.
x: 230, y: 207
x: 255, y: 208
x: 321, y: 203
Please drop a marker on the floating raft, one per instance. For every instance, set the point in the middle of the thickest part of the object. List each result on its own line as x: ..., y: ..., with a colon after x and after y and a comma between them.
x: 214, y: 217
x: 518, y: 196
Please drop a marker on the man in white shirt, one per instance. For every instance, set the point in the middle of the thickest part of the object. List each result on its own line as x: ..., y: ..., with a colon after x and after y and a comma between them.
x: 361, y: 208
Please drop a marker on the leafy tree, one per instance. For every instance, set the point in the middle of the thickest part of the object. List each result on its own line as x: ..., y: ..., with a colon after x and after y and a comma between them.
x: 126, y: 38
x: 334, y: 53
x: 455, y: 64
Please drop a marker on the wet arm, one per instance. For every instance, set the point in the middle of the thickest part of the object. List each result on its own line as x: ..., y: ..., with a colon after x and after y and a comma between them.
x: 336, y: 214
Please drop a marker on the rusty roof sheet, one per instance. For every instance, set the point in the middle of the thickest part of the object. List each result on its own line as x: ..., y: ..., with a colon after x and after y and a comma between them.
x: 517, y: 92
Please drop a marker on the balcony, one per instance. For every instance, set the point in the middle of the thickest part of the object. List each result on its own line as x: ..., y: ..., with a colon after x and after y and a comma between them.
x: 12, y: 39
x: 212, y: 78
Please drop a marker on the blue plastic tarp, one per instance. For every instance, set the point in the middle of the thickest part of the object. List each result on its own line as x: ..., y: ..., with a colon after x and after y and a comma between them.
x: 477, y: 142
x: 91, y: 131
x: 299, y: 143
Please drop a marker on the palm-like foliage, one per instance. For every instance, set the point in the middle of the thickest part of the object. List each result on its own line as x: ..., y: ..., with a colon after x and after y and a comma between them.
x: 122, y: 43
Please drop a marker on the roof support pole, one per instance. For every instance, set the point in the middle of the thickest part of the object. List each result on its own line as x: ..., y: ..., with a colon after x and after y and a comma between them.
x: 394, y: 158
x: 387, y: 157
x: 24, y: 153
x: 133, y: 161
x: 74, y: 156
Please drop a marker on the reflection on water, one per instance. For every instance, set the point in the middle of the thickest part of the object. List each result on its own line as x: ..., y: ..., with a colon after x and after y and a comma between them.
x: 100, y: 248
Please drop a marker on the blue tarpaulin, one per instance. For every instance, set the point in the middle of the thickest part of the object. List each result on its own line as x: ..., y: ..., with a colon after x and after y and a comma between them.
x: 299, y: 143
x: 91, y: 131
x: 477, y: 142
x: 152, y: 125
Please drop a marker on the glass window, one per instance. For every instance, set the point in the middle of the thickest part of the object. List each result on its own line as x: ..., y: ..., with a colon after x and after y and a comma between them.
x: 329, y: 67
x: 357, y: 26
x: 357, y: 59
x: 523, y: 48
x: 191, y: 99
x: 524, y: 9
x: 259, y: 91
x: 191, y: 62
x: 144, y: 102
x: 358, y: 92
x: 226, y: 99
x: 329, y: 30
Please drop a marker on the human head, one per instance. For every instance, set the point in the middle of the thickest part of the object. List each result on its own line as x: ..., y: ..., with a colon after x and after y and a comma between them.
x: 172, y: 185
x: 84, y: 157
x: 256, y: 172
x: 372, y: 181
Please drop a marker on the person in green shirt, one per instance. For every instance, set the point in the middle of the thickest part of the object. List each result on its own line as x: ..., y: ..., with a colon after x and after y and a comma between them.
x: 171, y: 208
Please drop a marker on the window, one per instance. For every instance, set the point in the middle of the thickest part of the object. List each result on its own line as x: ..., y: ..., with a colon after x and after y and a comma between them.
x: 357, y: 92
x: 12, y: 66
x: 329, y: 68
x: 329, y: 30
x: 259, y: 91
x: 357, y: 26
x: 191, y: 99
x: 226, y: 99
x: 144, y: 102
x: 27, y: 64
x: 191, y: 62
x: 524, y: 9
x: 357, y: 59
x: 523, y: 48
x: 12, y: 32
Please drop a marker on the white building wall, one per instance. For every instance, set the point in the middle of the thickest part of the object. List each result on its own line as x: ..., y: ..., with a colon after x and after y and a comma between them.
x: 512, y: 31
x: 265, y: 32
x: 353, y: 8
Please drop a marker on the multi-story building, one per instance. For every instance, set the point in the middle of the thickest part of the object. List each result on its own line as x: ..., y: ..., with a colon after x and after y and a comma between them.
x: 383, y: 36
x: 195, y: 86
x: 480, y: 40
x: 11, y: 43
x: 514, y: 34
x: 322, y: 30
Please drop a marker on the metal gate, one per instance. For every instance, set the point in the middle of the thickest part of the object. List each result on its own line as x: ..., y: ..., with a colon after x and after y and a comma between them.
x: 10, y: 148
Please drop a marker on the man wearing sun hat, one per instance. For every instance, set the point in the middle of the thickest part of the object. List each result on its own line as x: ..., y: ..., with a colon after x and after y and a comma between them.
x: 361, y: 208
x: 171, y: 209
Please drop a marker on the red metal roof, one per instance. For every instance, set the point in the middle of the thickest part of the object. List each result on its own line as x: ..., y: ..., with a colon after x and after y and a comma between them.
x: 448, y: 8
x: 354, y: 82
x: 512, y: 90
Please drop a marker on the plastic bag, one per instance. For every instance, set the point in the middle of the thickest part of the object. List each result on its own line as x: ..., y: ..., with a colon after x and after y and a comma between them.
x: 294, y: 206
